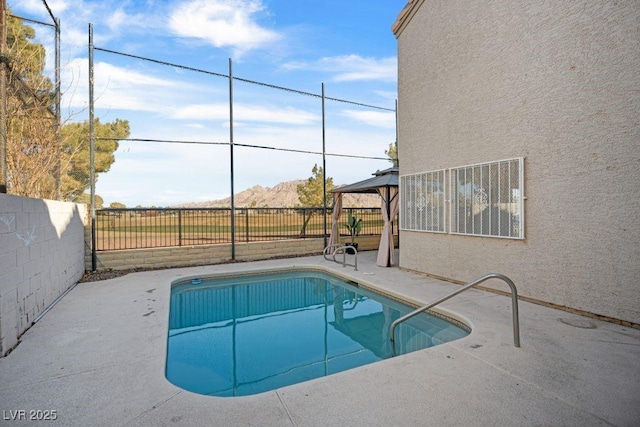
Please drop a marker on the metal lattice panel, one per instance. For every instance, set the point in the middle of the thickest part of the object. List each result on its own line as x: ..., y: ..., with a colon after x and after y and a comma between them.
x: 423, y: 202
x: 487, y: 199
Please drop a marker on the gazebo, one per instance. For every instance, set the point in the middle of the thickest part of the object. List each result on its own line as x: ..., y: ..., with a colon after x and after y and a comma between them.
x: 384, y: 183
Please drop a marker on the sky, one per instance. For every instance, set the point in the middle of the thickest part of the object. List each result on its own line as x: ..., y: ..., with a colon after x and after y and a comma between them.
x: 346, y: 45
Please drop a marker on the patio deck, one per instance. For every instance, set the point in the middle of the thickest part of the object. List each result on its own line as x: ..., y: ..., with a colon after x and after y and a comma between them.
x: 97, y: 358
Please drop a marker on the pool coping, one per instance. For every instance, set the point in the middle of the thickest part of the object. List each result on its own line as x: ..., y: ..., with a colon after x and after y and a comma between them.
x: 321, y: 272
x: 97, y: 358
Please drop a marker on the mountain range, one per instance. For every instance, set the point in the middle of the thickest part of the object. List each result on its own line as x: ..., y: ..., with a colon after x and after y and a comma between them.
x: 283, y: 195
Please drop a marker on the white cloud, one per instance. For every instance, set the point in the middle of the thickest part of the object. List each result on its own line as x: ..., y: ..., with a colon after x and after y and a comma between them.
x: 387, y: 94
x: 118, y: 88
x: 381, y: 119
x: 117, y: 19
x: 195, y: 126
x: 111, y: 19
x: 223, y: 23
x: 351, y: 68
x: 123, y: 77
x: 166, y: 174
x: 245, y: 113
x: 202, y: 112
x: 37, y: 7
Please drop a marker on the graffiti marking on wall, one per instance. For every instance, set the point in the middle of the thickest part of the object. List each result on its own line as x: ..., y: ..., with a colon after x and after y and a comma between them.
x: 27, y: 236
x: 7, y: 220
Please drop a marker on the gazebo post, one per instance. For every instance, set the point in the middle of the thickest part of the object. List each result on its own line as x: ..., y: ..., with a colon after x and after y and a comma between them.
x: 388, y: 203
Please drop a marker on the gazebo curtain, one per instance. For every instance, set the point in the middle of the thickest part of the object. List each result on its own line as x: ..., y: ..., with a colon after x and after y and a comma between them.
x: 337, y: 210
x: 386, y: 248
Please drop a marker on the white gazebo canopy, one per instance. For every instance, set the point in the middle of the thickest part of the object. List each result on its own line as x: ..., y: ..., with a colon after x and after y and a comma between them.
x: 385, y: 183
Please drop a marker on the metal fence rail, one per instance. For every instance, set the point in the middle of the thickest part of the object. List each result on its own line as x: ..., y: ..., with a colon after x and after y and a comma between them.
x: 165, y: 227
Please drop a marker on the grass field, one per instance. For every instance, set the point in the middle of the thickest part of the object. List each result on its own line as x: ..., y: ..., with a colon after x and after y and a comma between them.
x: 149, y: 228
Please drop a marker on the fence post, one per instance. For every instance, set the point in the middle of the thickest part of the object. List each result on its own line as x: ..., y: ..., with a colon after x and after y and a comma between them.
x: 92, y: 149
x: 324, y: 174
x: 246, y: 224
x: 180, y: 227
x: 233, y: 204
x: 58, y: 110
x: 3, y: 99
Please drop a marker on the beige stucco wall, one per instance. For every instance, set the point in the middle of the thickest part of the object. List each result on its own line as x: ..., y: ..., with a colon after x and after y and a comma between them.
x: 556, y: 83
x: 41, y: 256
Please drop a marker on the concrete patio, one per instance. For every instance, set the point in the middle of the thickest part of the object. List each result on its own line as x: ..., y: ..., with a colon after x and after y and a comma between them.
x: 97, y: 358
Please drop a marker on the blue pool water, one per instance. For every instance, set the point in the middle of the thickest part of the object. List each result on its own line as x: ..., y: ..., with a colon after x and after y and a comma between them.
x: 248, y: 334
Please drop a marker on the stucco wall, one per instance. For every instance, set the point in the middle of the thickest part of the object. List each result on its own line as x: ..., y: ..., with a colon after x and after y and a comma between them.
x: 41, y: 256
x: 556, y: 83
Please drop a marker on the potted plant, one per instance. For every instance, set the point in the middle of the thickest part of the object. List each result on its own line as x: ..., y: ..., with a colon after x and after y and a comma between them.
x: 354, y: 225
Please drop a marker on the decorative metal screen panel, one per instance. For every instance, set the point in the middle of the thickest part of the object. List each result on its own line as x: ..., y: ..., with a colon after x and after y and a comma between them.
x: 422, y: 202
x: 487, y: 199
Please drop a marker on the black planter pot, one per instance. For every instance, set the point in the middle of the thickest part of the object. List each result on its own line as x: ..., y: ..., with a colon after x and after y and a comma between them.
x: 350, y: 248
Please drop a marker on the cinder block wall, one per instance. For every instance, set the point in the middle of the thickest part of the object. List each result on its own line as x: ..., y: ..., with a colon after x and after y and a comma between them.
x: 185, y: 256
x: 41, y: 256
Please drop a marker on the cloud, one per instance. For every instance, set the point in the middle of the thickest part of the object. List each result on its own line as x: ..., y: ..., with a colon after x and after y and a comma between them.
x: 387, y: 94
x: 350, y: 68
x: 223, y: 23
x: 198, y: 126
x: 119, y: 88
x: 245, y: 113
x: 117, y: 19
x: 112, y: 20
x: 386, y: 120
x: 36, y: 6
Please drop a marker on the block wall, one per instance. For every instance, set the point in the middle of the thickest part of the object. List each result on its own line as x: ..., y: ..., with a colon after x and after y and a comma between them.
x: 185, y: 256
x: 41, y: 256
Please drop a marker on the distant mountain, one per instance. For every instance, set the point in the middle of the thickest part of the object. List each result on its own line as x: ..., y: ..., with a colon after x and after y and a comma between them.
x: 283, y: 195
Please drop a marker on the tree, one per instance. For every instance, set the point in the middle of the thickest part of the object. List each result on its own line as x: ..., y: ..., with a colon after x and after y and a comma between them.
x: 41, y: 163
x: 32, y: 146
x: 86, y: 199
x: 117, y: 205
x: 392, y: 153
x: 76, y: 167
x: 310, y: 194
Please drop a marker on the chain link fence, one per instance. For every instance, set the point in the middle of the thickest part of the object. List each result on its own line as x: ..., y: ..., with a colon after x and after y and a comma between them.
x: 32, y: 152
x: 222, y: 129
x: 245, y: 132
x: 44, y: 156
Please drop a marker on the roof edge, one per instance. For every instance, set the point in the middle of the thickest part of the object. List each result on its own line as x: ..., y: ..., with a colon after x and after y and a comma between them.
x: 405, y: 15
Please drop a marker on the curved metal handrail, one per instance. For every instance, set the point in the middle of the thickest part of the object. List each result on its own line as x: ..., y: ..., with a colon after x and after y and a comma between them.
x: 514, y: 304
x: 340, y: 248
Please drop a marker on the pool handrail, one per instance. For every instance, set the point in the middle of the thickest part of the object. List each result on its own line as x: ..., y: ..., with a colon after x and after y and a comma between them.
x: 340, y: 248
x: 514, y: 304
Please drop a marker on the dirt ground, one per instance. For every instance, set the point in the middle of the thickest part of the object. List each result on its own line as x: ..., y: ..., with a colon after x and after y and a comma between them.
x: 107, y: 274
x: 111, y: 274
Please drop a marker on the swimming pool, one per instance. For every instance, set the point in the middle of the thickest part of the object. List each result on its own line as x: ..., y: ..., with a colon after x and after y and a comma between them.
x: 242, y: 335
